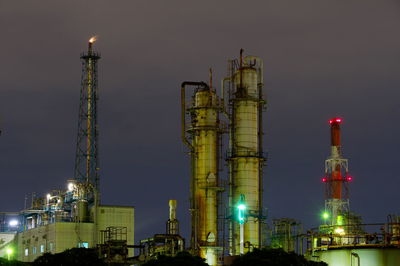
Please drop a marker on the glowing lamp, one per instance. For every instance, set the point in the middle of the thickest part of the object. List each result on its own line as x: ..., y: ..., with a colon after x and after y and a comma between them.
x: 241, y: 208
x: 9, y: 251
x: 325, y: 215
x: 349, y: 178
x: 71, y: 186
x: 324, y: 179
x: 339, y: 231
x: 13, y: 223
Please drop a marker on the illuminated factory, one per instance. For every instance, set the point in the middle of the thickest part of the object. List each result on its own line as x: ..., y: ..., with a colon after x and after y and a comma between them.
x: 223, y: 133
x: 73, y: 217
x: 242, y: 103
x: 342, y: 240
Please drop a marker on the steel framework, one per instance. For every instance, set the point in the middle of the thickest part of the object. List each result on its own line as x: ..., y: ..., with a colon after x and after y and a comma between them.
x: 86, y: 159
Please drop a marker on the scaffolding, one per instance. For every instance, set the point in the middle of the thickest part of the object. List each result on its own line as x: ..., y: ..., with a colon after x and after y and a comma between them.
x: 286, y: 234
x: 113, y: 247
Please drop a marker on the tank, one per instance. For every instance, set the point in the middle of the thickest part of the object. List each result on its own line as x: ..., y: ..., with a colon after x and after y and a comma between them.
x: 362, y: 256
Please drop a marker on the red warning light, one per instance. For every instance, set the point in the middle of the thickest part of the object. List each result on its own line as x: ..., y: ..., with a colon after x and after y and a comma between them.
x: 349, y: 179
x: 324, y: 179
x: 336, y: 120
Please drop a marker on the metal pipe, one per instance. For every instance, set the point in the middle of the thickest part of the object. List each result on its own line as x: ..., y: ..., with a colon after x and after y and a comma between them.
x: 172, y: 209
x: 353, y: 254
x: 183, y: 109
x: 241, y: 68
x: 224, y: 111
x: 260, y: 68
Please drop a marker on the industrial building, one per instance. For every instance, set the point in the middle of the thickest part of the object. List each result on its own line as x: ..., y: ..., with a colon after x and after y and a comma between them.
x: 73, y: 217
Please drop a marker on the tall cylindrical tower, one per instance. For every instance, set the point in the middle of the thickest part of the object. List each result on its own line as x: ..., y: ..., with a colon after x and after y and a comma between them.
x: 245, y: 155
x: 336, y: 178
x: 204, y: 142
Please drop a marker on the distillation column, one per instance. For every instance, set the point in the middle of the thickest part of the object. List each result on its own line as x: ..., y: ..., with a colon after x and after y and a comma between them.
x: 204, y: 144
x: 245, y: 155
x: 336, y: 179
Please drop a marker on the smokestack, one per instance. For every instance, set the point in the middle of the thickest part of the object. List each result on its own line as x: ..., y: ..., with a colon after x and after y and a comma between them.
x: 335, y: 133
x: 172, y: 223
x: 172, y: 210
x: 336, y: 177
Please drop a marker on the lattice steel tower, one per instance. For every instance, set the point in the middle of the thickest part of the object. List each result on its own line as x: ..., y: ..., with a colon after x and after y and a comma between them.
x: 336, y: 179
x: 86, y: 160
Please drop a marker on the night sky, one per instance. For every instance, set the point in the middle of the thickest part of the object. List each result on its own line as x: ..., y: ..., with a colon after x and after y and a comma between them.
x: 322, y: 59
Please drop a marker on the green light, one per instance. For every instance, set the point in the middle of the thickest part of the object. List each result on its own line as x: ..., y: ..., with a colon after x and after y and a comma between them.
x: 9, y: 253
x: 241, y: 207
x: 325, y: 215
x: 340, y: 220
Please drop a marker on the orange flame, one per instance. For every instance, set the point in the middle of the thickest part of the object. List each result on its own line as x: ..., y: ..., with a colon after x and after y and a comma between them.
x: 93, y: 39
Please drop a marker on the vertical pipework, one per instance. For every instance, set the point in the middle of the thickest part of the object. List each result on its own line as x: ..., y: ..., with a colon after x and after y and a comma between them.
x: 89, y: 112
x: 204, y: 135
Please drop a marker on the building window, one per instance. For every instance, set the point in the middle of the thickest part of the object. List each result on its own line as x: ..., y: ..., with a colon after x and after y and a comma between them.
x: 34, y: 250
x: 41, y: 248
x: 83, y: 245
x: 26, y: 251
x: 51, y: 246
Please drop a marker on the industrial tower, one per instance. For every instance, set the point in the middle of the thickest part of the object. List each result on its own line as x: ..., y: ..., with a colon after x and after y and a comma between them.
x: 203, y: 140
x: 336, y: 180
x: 86, y: 161
x: 245, y: 154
